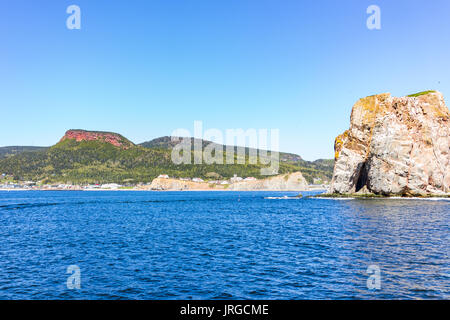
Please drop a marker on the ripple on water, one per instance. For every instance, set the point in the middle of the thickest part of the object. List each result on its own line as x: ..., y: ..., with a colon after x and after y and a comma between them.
x: 221, y: 245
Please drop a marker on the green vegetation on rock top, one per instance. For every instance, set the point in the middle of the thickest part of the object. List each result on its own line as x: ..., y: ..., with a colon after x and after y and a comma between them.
x: 418, y: 94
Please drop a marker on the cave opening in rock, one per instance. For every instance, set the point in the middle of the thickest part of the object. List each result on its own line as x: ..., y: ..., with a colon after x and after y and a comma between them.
x: 363, y: 177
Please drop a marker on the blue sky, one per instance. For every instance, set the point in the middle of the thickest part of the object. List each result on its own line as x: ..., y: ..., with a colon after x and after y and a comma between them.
x: 146, y: 68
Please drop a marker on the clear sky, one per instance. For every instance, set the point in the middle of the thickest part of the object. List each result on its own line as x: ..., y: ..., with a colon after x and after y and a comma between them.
x: 146, y: 68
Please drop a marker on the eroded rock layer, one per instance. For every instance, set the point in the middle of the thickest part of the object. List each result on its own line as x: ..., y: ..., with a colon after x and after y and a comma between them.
x: 108, y: 137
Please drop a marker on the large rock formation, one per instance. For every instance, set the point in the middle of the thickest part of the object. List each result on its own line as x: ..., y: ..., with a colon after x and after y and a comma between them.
x: 109, y: 137
x: 395, y: 146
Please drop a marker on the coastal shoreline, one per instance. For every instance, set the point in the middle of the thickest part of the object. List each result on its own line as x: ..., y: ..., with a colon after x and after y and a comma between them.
x: 149, y: 190
x: 294, y: 182
x: 376, y: 196
x: 320, y: 196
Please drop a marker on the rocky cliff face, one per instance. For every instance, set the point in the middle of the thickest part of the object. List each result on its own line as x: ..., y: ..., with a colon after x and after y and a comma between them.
x: 395, y: 146
x: 108, y: 137
x: 286, y: 182
x: 171, y: 184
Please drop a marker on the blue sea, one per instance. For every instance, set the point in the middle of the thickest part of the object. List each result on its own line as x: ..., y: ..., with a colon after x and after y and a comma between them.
x: 221, y: 245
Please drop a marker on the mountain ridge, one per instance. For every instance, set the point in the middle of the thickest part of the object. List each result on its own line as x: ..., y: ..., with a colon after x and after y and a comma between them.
x: 83, y: 156
x: 168, y: 142
x: 9, y: 151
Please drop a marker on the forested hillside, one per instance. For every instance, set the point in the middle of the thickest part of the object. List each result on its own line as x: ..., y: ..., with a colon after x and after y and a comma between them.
x: 100, y: 161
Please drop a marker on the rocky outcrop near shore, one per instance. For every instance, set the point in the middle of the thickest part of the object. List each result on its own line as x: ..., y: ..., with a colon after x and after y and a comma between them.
x: 395, y: 146
x: 286, y: 182
x: 170, y: 184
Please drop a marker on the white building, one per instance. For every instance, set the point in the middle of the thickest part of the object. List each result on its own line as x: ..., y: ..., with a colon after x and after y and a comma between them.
x: 111, y: 186
x: 250, y: 179
x: 163, y: 176
x: 197, y: 179
x: 236, y: 178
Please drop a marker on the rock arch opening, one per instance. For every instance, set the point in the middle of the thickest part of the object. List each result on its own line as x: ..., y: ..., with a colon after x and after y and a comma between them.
x: 362, y: 178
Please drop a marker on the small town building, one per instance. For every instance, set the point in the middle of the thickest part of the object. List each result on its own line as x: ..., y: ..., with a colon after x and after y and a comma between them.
x: 236, y: 178
x: 111, y: 186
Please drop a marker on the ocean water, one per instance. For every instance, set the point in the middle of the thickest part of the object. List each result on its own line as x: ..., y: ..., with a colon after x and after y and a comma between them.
x: 220, y: 245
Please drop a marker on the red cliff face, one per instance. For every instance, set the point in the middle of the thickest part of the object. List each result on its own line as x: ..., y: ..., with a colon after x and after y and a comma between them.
x: 108, y: 137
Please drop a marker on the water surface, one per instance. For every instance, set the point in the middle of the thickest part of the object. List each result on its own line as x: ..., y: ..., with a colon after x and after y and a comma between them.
x: 220, y: 245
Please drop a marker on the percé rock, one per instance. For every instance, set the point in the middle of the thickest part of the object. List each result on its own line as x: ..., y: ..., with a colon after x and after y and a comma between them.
x: 109, y: 137
x: 395, y: 146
